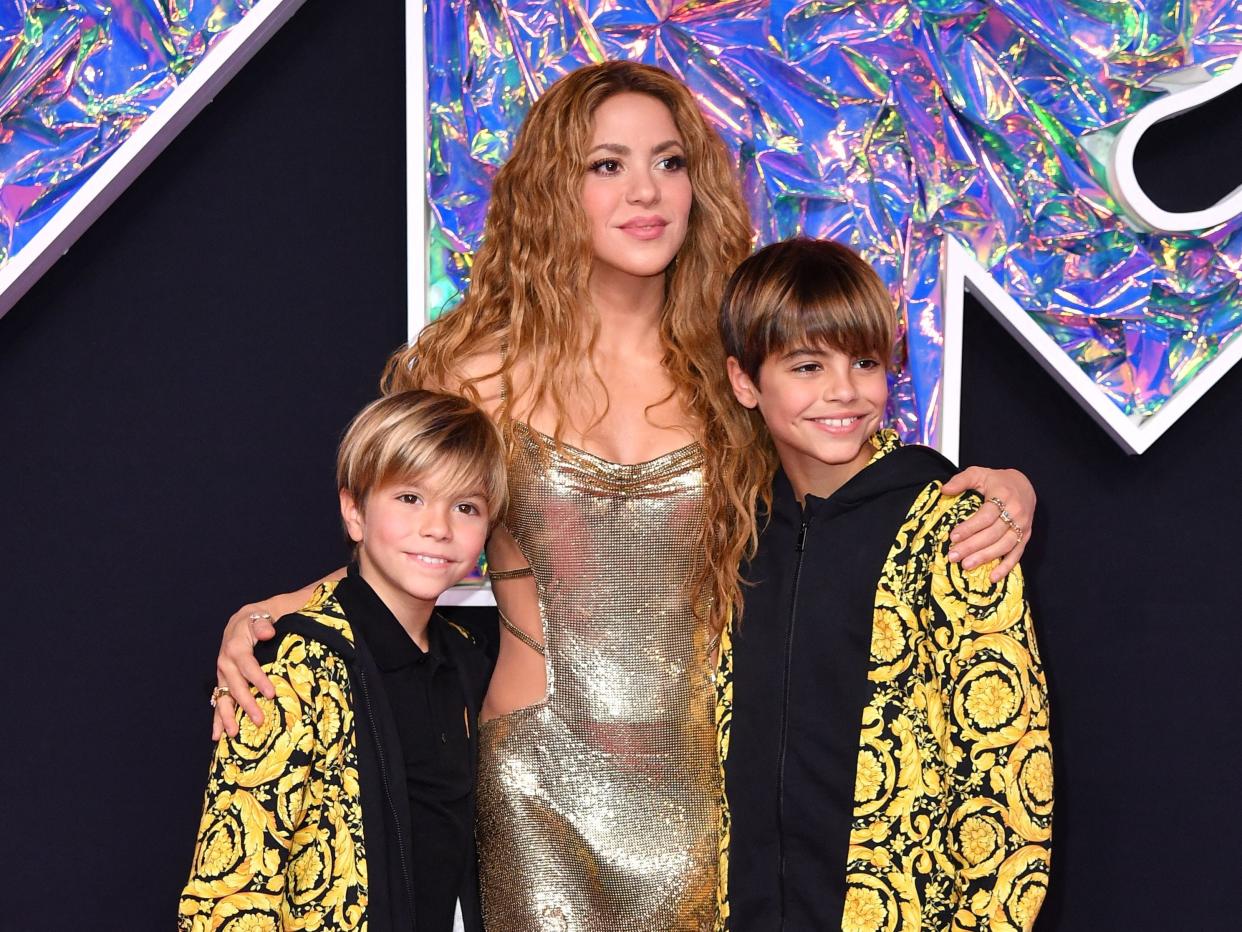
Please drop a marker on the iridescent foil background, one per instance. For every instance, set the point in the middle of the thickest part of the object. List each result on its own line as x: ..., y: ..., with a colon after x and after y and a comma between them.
x: 76, y: 80
x: 889, y: 126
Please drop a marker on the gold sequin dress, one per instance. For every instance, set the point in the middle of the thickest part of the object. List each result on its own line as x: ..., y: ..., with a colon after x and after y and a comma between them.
x: 597, y: 806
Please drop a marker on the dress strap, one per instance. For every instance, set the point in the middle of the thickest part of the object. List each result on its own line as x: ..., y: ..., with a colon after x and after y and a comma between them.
x: 520, y: 634
x: 495, y: 575
x: 504, y: 381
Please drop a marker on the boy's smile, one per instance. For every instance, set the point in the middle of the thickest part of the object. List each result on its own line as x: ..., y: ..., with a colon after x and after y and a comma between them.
x: 415, y: 539
x: 821, y: 407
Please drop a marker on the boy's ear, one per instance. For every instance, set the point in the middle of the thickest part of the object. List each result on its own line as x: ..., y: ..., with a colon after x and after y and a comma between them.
x: 744, y: 389
x: 351, y: 515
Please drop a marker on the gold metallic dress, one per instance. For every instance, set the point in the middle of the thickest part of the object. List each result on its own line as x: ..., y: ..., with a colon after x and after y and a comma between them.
x: 597, y: 806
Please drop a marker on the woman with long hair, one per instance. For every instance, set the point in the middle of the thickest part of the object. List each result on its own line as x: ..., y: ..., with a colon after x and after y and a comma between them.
x: 588, y: 333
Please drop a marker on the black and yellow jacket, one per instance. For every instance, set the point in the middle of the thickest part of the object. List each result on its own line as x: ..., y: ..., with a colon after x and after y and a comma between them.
x: 887, y: 763
x: 306, y: 823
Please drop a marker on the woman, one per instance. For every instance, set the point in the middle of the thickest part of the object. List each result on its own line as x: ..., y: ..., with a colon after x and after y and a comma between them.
x: 588, y: 334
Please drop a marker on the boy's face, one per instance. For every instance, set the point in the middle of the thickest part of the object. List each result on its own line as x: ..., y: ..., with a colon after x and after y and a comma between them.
x: 821, y: 406
x: 416, y: 538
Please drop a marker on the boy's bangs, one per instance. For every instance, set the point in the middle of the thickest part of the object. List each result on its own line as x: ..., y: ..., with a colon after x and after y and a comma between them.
x: 458, y: 466
x: 855, y: 329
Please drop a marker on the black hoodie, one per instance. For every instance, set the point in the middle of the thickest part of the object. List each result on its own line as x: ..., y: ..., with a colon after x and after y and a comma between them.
x: 800, y: 661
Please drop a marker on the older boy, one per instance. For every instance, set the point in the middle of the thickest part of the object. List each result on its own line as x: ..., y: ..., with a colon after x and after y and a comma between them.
x: 352, y: 805
x: 887, y: 762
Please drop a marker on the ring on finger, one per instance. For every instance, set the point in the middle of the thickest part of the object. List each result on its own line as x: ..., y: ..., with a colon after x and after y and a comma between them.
x: 1013, y: 525
x: 259, y: 616
x: 998, y: 503
x: 217, y: 694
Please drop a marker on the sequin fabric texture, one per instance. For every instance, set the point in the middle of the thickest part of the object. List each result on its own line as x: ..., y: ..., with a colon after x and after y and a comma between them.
x: 76, y: 80
x: 598, y: 806
x: 889, y: 126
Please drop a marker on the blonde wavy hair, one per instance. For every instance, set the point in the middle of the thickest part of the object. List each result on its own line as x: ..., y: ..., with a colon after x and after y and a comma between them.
x: 528, y: 296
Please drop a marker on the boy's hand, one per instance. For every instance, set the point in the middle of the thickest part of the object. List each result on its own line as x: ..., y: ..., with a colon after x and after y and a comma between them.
x: 986, y: 535
x: 237, y: 669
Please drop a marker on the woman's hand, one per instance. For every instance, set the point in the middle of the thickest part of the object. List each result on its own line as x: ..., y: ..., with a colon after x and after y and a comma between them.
x: 237, y: 669
x: 987, y: 535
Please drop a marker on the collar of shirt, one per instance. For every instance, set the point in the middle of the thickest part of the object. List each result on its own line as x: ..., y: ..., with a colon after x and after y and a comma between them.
x: 391, y: 645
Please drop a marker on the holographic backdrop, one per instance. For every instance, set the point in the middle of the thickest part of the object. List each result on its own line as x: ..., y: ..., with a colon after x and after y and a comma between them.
x: 889, y: 126
x: 76, y: 79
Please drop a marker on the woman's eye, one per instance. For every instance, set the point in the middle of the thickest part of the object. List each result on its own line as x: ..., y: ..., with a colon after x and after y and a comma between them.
x: 606, y: 167
x: 672, y: 163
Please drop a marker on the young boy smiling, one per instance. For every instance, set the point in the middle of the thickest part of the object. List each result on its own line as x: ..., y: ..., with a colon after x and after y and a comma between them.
x: 884, y: 718
x: 352, y: 805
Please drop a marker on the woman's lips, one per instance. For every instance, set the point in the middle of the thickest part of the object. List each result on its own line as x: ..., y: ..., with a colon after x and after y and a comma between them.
x: 645, y: 228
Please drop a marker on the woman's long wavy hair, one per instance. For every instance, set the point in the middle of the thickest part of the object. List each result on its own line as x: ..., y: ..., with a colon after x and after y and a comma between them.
x: 528, y: 294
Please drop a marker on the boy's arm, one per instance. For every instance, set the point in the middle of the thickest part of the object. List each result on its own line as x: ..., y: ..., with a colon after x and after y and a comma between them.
x: 999, y: 757
x: 257, y: 794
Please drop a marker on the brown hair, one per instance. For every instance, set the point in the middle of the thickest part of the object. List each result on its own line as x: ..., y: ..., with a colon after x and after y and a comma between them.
x: 528, y: 295
x: 800, y: 292
x: 414, y: 433
x: 805, y: 292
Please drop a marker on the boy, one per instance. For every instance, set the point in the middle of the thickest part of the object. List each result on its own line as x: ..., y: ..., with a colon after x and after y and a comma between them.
x: 352, y: 805
x: 887, y: 763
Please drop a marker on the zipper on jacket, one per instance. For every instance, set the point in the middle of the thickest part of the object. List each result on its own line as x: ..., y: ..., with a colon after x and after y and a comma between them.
x: 392, y: 806
x: 799, y: 548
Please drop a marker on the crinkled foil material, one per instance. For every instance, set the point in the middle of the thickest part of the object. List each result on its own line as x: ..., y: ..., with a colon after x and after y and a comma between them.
x: 889, y: 126
x: 76, y: 80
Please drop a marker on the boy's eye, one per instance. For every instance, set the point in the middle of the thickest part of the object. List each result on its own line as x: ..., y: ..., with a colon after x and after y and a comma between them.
x: 867, y: 364
x: 468, y: 508
x: 606, y: 166
x: 807, y: 367
x: 409, y: 498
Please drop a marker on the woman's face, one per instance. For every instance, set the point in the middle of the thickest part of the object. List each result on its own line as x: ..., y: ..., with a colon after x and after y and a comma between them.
x: 636, y: 192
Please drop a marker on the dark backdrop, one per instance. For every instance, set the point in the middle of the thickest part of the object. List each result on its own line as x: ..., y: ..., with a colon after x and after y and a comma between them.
x: 171, y: 395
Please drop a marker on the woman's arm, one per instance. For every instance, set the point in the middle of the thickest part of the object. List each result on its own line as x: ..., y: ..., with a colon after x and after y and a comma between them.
x: 236, y: 667
x: 986, y: 536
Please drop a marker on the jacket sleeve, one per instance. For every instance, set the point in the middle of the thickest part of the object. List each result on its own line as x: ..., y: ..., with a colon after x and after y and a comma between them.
x: 993, y: 725
x: 261, y: 786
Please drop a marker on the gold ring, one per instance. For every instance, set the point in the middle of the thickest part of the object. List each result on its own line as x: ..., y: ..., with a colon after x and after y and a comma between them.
x: 1013, y: 525
x: 217, y: 693
x: 998, y: 503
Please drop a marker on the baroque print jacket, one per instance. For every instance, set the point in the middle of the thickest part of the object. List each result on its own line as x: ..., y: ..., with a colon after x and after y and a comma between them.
x: 892, y: 711
x: 306, y: 819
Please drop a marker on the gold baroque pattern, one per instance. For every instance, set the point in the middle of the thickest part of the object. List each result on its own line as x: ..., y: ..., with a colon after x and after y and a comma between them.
x: 723, y: 681
x: 953, y: 795
x: 280, y: 843
x: 953, y: 789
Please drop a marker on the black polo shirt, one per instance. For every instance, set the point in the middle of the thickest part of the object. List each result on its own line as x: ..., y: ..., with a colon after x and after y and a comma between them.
x: 425, y: 693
